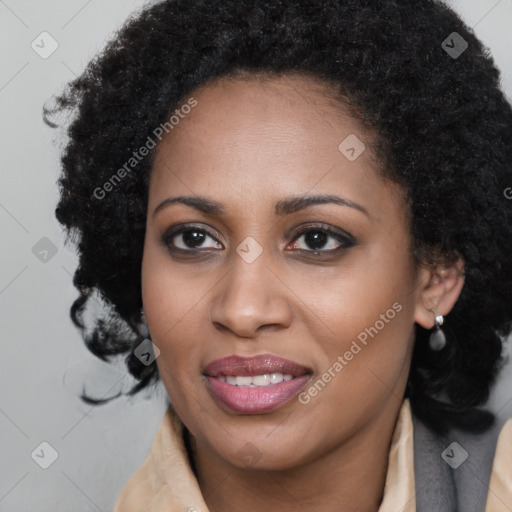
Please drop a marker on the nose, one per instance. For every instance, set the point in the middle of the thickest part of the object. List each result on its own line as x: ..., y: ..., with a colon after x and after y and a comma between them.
x: 251, y: 298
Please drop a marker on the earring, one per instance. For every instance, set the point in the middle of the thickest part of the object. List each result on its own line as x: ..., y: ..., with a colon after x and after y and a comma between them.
x: 437, y: 339
x: 142, y: 327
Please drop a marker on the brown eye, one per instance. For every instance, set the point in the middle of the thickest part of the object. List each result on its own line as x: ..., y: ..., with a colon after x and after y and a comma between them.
x: 321, y: 239
x: 190, y: 238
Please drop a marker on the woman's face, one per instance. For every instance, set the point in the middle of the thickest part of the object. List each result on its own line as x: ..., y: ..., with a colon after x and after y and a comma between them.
x: 257, y: 268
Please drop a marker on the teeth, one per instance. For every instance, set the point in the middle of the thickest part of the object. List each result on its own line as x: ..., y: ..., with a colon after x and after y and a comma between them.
x: 243, y: 381
x: 276, y: 378
x: 263, y: 380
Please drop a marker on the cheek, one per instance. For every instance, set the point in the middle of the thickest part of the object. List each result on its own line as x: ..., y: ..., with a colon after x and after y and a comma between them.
x: 171, y: 303
x: 368, y: 309
x: 369, y: 344
x: 368, y: 288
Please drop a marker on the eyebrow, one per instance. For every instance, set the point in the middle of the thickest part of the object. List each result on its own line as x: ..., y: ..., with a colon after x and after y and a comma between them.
x: 282, y: 207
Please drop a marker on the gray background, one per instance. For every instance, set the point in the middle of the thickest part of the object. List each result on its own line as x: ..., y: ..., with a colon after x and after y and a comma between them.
x: 44, y: 362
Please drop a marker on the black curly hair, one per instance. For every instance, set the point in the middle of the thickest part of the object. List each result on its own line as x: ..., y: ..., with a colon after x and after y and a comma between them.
x: 444, y: 133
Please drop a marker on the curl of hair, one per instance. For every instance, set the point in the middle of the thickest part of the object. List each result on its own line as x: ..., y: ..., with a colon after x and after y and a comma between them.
x: 444, y: 133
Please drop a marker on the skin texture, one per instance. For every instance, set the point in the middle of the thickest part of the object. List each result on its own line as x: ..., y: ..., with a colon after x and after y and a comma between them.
x: 248, y: 144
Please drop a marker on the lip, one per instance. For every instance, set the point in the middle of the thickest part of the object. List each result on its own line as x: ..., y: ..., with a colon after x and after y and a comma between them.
x: 256, y: 400
x: 249, y: 366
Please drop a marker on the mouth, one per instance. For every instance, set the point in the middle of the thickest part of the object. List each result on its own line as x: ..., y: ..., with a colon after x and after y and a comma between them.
x: 254, y: 385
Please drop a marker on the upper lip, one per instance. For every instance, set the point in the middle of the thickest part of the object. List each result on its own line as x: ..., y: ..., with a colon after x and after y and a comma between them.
x: 256, y: 365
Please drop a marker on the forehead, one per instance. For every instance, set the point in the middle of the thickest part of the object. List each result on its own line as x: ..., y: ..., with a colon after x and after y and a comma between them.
x: 262, y: 137
x: 284, y: 108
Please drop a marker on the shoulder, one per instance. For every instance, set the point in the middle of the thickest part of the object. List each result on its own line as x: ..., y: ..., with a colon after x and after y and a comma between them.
x: 139, y: 490
x: 500, y: 484
x: 461, y: 470
x: 147, y: 486
x: 165, y: 480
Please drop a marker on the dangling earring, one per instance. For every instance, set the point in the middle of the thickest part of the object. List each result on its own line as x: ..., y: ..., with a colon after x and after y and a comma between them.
x: 437, y: 339
x: 142, y: 326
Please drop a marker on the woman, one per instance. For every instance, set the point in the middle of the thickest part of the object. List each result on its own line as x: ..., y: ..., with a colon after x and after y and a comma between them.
x: 299, y: 210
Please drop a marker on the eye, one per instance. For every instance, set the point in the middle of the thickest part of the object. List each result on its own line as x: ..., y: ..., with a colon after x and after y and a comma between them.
x: 322, y: 239
x: 190, y: 238
x: 315, y: 240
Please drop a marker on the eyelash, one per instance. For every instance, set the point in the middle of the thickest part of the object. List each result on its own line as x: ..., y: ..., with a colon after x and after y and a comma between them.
x: 345, y: 240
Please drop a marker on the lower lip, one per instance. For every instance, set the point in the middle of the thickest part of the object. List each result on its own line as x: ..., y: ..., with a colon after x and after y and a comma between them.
x: 255, y: 400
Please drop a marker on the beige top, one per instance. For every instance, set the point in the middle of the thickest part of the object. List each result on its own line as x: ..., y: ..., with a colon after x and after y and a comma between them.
x: 165, y: 481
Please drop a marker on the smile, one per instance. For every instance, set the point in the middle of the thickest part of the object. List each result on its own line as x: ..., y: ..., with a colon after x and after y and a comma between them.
x: 263, y: 380
x: 254, y: 385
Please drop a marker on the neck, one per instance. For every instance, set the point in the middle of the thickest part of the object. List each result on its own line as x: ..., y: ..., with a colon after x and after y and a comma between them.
x: 350, y: 476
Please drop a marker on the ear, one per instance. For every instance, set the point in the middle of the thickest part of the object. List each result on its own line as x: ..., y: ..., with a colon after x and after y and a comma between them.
x: 439, y: 288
